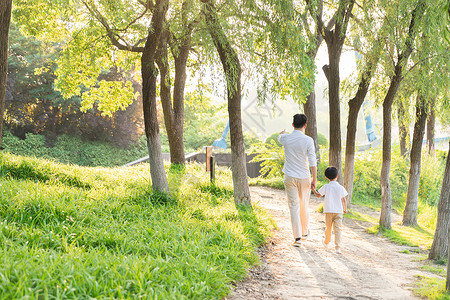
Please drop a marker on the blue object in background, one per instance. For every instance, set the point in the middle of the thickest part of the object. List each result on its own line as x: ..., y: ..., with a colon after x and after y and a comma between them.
x: 370, y: 132
x: 221, y: 143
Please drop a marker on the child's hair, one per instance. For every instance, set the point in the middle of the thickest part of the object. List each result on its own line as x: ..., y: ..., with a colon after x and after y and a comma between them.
x: 331, y: 173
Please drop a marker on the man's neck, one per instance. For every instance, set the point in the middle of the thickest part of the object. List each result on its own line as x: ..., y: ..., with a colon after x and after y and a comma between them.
x: 300, y: 129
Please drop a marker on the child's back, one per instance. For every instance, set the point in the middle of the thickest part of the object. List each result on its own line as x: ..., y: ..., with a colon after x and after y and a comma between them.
x: 334, y: 206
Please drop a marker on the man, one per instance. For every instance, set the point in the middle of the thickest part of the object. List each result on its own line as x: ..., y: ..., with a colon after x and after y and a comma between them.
x: 300, y: 157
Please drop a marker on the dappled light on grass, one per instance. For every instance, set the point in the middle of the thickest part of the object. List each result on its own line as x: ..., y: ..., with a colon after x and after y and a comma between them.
x: 119, y: 239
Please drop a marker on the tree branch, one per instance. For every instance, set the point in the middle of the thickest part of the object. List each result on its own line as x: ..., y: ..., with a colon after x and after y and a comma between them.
x: 111, y: 34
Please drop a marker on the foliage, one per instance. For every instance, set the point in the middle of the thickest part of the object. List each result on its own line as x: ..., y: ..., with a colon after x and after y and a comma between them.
x: 432, y: 288
x: 74, y: 150
x: 34, y: 106
x: 203, y: 120
x: 271, y: 157
x: 274, y: 182
x: 117, y: 239
x: 322, y: 140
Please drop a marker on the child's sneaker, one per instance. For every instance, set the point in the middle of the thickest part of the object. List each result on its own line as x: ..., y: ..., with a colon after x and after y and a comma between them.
x: 324, y: 245
x: 338, y: 251
x: 297, y: 243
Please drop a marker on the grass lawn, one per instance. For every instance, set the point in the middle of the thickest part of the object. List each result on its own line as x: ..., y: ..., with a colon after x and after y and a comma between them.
x: 80, y: 233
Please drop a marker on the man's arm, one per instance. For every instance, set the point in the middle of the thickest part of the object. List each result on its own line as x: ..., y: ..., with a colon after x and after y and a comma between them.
x: 314, y: 175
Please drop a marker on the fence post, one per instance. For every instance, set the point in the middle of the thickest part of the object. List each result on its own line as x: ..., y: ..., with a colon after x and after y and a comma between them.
x: 213, y: 169
x: 209, y: 151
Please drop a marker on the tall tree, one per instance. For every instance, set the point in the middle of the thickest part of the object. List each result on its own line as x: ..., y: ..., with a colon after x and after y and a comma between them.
x: 309, y: 107
x: 178, y: 38
x: 232, y: 70
x: 335, y: 40
x: 410, y: 212
x: 431, y: 122
x: 368, y: 69
x: 399, y: 69
x: 441, y: 240
x: 5, y: 19
x: 149, y: 74
x: 403, y: 126
x: 104, y: 34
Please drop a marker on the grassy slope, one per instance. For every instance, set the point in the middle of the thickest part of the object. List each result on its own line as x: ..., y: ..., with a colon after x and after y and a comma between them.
x: 75, y: 232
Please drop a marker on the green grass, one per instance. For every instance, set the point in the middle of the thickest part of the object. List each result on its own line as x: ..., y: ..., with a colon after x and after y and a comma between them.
x: 431, y: 288
x: 274, y: 182
x: 405, y: 235
x: 439, y: 270
x: 77, y: 232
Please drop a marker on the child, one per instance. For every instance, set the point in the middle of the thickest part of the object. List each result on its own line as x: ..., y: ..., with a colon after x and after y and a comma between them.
x: 334, y: 205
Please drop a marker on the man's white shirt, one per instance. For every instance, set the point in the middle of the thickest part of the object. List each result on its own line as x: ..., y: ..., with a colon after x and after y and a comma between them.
x: 299, y: 154
x: 333, y: 193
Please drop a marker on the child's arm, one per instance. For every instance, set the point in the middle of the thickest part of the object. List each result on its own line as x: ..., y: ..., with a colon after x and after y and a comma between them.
x: 316, y: 193
x: 344, y: 205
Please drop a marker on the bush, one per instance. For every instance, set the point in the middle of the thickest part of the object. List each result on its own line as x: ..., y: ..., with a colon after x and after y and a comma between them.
x: 271, y: 157
x: 322, y: 140
x: 74, y: 150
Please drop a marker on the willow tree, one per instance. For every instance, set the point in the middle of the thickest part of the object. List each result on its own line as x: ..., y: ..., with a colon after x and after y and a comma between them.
x: 232, y: 71
x: 5, y: 19
x: 440, y: 246
x: 398, y: 70
x: 428, y: 77
x: 334, y: 38
x: 368, y: 30
x: 315, y: 40
x: 100, y: 35
x: 176, y: 36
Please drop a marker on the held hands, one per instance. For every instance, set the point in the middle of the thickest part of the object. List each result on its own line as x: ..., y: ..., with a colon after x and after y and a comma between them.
x: 283, y: 132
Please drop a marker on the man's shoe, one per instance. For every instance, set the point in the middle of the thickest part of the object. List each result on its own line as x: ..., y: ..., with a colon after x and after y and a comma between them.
x: 297, y: 243
x: 305, y: 237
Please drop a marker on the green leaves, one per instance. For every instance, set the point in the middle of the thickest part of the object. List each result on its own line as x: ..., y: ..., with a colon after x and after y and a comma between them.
x: 110, y: 95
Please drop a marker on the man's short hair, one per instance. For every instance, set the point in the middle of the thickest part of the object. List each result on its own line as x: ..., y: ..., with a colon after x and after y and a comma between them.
x: 299, y: 120
x: 331, y: 173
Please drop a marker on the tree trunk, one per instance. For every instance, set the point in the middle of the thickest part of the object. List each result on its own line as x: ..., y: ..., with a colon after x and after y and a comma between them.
x: 430, y: 129
x: 332, y: 74
x: 412, y: 198
x: 5, y: 19
x: 441, y: 241
x: 403, y: 129
x: 173, y: 115
x: 232, y: 70
x: 335, y: 40
x: 354, y: 108
x: 309, y: 108
x: 447, y: 286
x: 149, y: 75
x: 386, y: 199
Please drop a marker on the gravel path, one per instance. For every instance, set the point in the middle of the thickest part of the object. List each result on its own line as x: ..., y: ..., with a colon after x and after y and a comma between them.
x: 370, y: 267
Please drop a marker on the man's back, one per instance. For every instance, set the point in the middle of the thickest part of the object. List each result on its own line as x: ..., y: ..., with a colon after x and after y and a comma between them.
x: 299, y: 154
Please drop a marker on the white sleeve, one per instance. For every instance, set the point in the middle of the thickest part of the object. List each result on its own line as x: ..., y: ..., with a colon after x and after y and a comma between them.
x: 281, y: 138
x: 312, y: 154
x: 344, y: 192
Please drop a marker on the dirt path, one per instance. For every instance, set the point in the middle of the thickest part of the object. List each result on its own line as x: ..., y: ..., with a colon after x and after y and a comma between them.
x: 370, y: 267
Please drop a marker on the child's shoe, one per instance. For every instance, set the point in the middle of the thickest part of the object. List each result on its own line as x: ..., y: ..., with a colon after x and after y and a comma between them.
x: 338, y: 251
x: 324, y: 245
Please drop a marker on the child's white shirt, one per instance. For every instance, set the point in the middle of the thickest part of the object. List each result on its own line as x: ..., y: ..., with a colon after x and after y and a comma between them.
x: 333, y: 193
